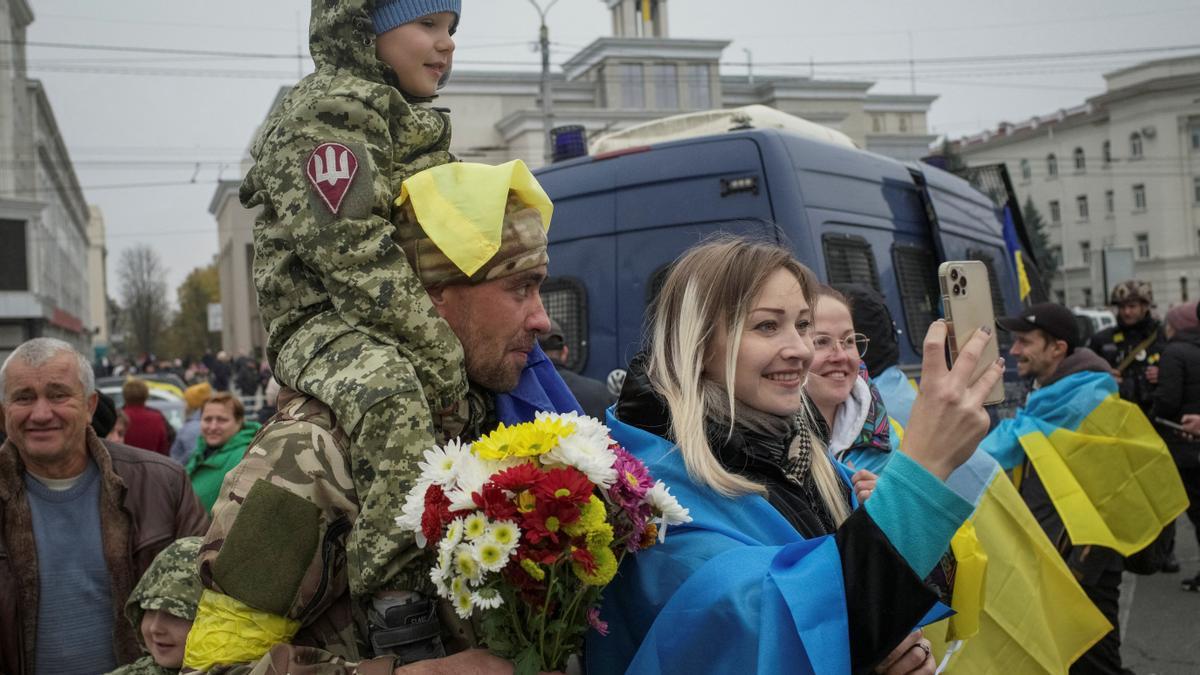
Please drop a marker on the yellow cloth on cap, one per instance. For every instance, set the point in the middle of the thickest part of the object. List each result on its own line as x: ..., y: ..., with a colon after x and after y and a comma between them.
x: 227, y: 632
x: 461, y: 207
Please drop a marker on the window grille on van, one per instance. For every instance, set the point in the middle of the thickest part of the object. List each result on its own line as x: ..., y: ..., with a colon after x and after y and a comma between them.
x: 565, y: 299
x: 849, y: 260
x: 916, y: 277
x: 1003, y: 337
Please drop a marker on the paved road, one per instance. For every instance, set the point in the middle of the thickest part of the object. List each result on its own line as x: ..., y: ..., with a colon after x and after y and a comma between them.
x: 1162, y: 622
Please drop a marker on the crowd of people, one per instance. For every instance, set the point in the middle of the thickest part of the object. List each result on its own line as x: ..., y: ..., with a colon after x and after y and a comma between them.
x: 842, y: 515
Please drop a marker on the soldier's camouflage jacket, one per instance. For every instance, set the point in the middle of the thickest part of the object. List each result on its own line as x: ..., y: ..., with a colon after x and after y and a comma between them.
x: 171, y: 585
x: 278, y: 538
x: 329, y: 161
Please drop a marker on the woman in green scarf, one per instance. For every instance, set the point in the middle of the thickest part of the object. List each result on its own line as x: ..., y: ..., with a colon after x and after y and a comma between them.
x: 224, y: 436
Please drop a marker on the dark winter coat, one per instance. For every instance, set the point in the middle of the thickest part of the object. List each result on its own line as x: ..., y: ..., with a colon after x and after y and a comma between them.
x: 1178, y: 394
x: 1114, y: 344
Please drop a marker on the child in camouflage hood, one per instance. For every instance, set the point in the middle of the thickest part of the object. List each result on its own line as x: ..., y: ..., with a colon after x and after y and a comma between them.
x: 162, y: 608
x: 348, y: 321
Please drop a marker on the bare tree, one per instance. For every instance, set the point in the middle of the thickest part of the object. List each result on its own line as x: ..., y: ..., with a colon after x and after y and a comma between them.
x: 143, y: 282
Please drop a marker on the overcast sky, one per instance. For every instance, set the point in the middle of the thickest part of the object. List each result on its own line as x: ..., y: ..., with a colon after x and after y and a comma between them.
x: 150, y: 134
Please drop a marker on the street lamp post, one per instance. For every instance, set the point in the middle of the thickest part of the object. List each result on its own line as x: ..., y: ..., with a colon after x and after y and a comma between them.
x: 547, y: 106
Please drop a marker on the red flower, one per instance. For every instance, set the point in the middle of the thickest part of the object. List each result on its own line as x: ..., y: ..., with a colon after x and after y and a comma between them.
x: 546, y: 521
x: 566, y: 484
x: 518, y: 478
x: 436, y: 514
x: 584, y: 558
x: 494, y: 503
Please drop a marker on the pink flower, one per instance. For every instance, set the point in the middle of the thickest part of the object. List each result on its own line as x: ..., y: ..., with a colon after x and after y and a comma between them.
x: 629, y: 490
x: 593, y: 618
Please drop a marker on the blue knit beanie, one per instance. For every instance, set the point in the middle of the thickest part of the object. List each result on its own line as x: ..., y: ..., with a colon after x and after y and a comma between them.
x: 390, y: 14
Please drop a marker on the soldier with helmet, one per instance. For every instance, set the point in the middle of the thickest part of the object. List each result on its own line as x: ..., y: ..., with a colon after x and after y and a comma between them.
x: 1134, y: 346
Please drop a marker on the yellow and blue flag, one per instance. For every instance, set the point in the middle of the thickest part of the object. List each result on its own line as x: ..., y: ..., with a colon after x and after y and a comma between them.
x: 1106, y: 470
x: 1013, y: 244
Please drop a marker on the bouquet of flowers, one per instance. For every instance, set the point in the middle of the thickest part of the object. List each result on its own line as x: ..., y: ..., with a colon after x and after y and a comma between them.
x: 529, y: 524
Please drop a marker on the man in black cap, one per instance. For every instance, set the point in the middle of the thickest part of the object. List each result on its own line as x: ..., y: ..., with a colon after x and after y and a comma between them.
x: 1046, y: 346
x: 593, y: 395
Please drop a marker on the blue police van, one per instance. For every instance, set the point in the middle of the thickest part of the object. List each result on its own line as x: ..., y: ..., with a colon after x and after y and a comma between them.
x: 622, y: 217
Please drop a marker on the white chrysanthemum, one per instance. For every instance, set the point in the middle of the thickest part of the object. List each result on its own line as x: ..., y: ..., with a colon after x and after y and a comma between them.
x: 454, y: 535
x: 473, y: 473
x: 475, y: 526
x: 439, y: 583
x: 463, y: 605
x: 670, y: 511
x: 410, y: 516
x: 586, y: 449
x: 504, y: 533
x: 466, y: 565
x: 492, y: 557
x: 440, y: 465
x: 458, y: 586
x: 487, y: 598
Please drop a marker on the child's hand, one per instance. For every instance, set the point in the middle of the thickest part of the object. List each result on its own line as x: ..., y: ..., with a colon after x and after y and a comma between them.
x: 864, y: 484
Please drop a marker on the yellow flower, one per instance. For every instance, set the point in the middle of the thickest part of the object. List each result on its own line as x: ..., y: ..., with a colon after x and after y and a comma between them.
x: 523, y: 440
x: 606, y: 567
x: 531, y: 568
x: 591, y: 518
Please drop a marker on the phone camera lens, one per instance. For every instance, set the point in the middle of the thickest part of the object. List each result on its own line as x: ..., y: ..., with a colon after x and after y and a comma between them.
x: 954, y: 274
x: 958, y: 290
x: 963, y: 282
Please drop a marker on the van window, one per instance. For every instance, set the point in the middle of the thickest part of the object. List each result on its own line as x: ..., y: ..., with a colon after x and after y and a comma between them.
x: 565, y: 299
x: 1003, y: 337
x: 848, y: 260
x: 916, y: 277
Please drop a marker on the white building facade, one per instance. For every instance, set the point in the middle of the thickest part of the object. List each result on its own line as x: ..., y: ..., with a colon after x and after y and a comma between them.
x: 43, y: 216
x: 98, y: 279
x: 1121, y: 171
x: 642, y: 74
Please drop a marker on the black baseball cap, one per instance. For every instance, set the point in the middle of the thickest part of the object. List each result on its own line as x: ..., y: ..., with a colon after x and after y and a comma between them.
x: 1051, y: 317
x: 553, y: 339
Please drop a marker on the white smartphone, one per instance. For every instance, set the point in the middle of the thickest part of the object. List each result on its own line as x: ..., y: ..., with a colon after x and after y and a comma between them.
x: 967, y: 299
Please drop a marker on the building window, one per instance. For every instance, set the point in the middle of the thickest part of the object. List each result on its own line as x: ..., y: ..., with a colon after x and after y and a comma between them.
x: 1056, y: 255
x: 666, y: 86
x: 1051, y: 165
x: 1087, y: 297
x: 1135, y: 145
x: 904, y: 124
x: 633, y: 85
x: 14, y: 275
x: 1055, y: 212
x: 1110, y: 202
x: 1026, y: 170
x: 1183, y: 289
x: 700, y: 96
x: 1106, y: 153
x: 1060, y: 297
x: 1143, y: 245
x: 1082, y: 205
x: 1195, y: 132
x: 1139, y: 197
x: 1080, y: 161
x: 1085, y: 252
x: 878, y: 125
x: 1196, y: 189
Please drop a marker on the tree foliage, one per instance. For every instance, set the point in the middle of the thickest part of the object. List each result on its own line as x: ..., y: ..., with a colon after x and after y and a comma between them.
x: 1042, y: 252
x: 189, y: 330
x: 143, y: 289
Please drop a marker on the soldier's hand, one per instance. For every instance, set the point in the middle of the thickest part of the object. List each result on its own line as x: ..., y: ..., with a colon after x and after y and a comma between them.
x: 1152, y: 374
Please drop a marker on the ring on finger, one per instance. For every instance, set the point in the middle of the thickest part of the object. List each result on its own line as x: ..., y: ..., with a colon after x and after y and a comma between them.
x: 924, y: 646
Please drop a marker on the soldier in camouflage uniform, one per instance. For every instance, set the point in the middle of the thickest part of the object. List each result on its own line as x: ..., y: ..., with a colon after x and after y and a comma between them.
x: 1133, y: 347
x: 279, y: 543
x: 171, y: 586
x: 347, y: 320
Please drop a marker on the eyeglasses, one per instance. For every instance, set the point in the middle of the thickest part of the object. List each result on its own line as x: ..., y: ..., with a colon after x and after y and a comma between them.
x: 856, y: 343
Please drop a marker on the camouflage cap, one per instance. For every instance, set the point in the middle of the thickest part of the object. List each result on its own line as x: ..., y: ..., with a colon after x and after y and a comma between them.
x: 171, y: 584
x: 1131, y: 290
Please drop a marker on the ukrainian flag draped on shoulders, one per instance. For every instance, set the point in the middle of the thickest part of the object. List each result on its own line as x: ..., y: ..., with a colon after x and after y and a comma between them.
x: 1018, y: 607
x: 1106, y: 470
x: 745, y: 572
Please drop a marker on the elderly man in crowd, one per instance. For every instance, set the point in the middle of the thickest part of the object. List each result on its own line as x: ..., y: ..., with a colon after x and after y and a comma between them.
x: 277, y: 554
x: 80, y: 519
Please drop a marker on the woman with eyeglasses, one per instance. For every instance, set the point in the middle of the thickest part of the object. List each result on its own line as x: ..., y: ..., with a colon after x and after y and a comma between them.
x: 777, y: 570
x: 853, y: 420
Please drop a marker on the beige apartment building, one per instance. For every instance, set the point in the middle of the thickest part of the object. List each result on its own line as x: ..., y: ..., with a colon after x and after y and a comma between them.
x: 642, y: 74
x: 1119, y: 171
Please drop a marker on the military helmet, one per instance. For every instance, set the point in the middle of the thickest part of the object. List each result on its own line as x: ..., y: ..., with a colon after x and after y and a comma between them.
x: 1131, y: 290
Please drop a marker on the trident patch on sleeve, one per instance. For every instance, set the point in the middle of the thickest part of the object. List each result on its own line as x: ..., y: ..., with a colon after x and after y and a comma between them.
x: 331, y: 168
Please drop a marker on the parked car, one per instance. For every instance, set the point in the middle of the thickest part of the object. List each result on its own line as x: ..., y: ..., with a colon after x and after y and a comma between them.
x: 1092, y: 321
x: 165, y: 396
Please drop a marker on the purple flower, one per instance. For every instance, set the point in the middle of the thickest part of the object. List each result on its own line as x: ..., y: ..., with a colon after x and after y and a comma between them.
x: 593, y: 618
x: 633, y: 480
